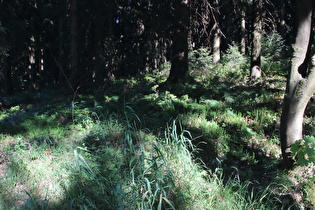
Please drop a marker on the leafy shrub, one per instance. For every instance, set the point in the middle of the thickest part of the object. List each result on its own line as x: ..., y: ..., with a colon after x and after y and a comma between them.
x: 304, y: 150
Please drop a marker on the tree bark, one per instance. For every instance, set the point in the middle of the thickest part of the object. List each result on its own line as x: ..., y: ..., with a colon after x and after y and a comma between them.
x: 217, y: 35
x: 58, y: 73
x: 216, y: 45
x: 282, y: 19
x: 98, y: 26
x: 243, y: 31
x: 74, y: 43
x: 110, y: 17
x: 301, y: 82
x: 32, y: 68
x: 256, y: 42
x: 179, y: 66
x: 7, y: 76
x: 108, y: 61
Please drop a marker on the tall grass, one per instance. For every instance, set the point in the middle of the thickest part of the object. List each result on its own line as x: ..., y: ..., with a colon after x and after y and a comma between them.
x: 143, y: 172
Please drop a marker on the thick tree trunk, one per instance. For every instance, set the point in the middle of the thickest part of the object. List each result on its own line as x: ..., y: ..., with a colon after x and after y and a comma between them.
x: 98, y: 26
x: 256, y: 42
x: 74, y: 43
x: 179, y: 66
x: 301, y: 81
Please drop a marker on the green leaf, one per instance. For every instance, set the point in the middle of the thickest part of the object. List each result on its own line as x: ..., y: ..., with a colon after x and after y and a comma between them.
x: 304, y: 150
x: 295, y: 147
x: 309, y: 151
x: 302, y: 161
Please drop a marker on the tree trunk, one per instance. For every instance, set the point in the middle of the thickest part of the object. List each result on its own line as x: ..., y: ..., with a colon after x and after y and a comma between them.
x: 110, y: 17
x: 32, y: 68
x: 256, y: 42
x: 98, y: 26
x: 179, y: 66
x: 109, y: 24
x: 216, y: 45
x: 301, y: 82
x: 282, y: 19
x: 74, y: 43
x: 7, y: 76
x: 59, y: 73
x: 217, y: 36
x: 243, y: 31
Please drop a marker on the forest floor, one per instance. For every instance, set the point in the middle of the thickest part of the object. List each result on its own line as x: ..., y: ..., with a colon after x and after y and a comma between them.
x: 211, y: 143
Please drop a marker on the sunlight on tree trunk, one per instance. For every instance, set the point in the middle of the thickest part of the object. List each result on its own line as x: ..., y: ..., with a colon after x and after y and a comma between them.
x: 216, y: 45
x: 256, y: 42
x: 217, y: 35
x: 243, y: 31
x: 32, y: 64
x: 301, y: 81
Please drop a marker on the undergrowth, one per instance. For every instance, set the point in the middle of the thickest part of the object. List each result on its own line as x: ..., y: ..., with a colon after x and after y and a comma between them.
x: 211, y: 143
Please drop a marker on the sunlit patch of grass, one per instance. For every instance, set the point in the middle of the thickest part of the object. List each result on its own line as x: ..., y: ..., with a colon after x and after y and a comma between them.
x: 211, y: 131
x: 198, y: 189
x: 37, y: 170
x: 46, y: 181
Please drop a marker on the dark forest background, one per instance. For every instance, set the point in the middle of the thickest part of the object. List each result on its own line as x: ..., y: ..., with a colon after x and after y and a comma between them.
x: 85, y: 44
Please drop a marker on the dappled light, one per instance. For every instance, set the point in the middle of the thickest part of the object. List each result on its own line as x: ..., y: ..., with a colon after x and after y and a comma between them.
x: 157, y: 105
x: 114, y: 150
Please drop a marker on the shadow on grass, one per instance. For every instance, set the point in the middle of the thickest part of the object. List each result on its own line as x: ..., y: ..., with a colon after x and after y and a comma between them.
x: 240, y: 160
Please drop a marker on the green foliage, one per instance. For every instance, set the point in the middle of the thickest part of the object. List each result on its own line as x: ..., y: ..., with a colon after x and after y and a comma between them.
x: 113, y: 151
x: 234, y: 65
x: 304, y: 150
x: 200, y: 59
x: 273, y: 52
x: 200, y: 62
x: 273, y: 47
x: 33, y: 204
x: 233, y: 59
x: 263, y: 120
